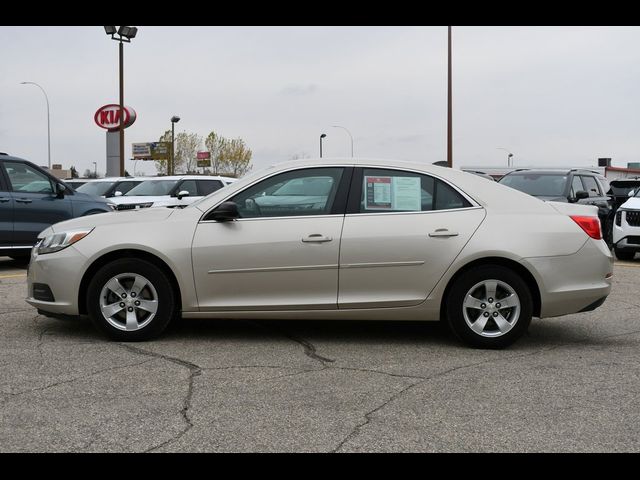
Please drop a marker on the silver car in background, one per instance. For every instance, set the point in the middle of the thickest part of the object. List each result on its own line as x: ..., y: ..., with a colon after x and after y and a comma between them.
x: 331, y: 239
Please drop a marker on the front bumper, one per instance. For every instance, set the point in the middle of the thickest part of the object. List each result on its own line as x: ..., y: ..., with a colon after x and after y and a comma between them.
x: 573, y: 283
x: 61, y: 272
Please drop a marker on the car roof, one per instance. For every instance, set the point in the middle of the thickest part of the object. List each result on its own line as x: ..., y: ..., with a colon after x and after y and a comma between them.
x: 553, y: 171
x: 187, y: 177
x: 109, y: 179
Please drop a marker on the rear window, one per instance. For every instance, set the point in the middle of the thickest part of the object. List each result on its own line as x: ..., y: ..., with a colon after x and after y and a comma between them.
x: 537, y: 184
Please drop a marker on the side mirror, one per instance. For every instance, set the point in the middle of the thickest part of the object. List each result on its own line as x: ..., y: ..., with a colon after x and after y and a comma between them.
x: 182, y: 193
x: 60, y: 189
x: 225, y: 212
x: 581, y: 194
x: 631, y: 193
x: 117, y: 193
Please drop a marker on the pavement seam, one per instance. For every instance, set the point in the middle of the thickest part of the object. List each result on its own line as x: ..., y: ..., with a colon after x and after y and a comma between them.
x: 194, y: 371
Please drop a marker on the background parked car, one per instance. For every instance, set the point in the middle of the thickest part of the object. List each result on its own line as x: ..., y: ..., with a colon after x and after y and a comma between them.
x: 170, y: 191
x: 626, y: 228
x: 481, y: 174
x: 110, y: 186
x: 31, y: 199
x: 573, y: 186
x: 76, y: 182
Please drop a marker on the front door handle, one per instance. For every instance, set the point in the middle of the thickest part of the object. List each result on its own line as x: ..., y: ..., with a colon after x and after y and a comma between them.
x: 24, y: 200
x: 4, y: 200
x: 443, y: 232
x: 316, y: 238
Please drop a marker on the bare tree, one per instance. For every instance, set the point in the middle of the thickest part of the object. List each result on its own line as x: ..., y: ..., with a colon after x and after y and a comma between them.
x: 215, y: 146
x: 187, y: 145
x: 236, y: 158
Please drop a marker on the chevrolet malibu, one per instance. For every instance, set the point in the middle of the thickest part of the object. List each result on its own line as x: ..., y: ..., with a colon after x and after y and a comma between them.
x: 331, y: 239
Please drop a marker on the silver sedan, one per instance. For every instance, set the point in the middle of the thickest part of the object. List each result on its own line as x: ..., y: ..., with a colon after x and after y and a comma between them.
x: 331, y: 239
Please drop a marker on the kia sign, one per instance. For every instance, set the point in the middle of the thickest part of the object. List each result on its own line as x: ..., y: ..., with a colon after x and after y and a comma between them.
x: 108, y: 117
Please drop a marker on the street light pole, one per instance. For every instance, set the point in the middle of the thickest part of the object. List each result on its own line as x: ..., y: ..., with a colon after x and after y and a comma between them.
x: 449, y: 112
x: 121, y: 60
x: 321, y: 137
x: 48, y: 120
x: 125, y: 34
x: 509, y: 156
x: 350, y: 136
x: 175, y: 119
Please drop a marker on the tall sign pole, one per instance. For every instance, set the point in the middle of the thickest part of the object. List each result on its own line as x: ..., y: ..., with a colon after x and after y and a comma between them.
x: 121, y: 111
x: 449, y: 113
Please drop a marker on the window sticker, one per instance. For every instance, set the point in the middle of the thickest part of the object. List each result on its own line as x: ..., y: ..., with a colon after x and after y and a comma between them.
x: 406, y: 193
x: 392, y: 193
x: 378, y: 193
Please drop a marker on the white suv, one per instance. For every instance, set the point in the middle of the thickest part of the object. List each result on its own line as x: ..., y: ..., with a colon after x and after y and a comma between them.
x: 170, y: 191
x: 626, y: 228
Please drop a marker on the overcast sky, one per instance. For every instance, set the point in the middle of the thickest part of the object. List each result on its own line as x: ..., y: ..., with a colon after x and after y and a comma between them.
x: 551, y: 95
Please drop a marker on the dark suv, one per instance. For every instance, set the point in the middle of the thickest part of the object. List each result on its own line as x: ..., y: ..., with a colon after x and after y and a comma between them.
x: 573, y: 186
x: 31, y: 199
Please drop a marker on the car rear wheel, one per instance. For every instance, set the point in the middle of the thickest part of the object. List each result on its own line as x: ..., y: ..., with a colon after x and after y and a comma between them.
x: 625, y: 255
x: 130, y: 300
x: 489, y: 307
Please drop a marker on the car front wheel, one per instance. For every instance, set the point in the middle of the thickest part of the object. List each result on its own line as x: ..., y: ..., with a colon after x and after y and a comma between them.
x: 489, y: 307
x: 130, y: 300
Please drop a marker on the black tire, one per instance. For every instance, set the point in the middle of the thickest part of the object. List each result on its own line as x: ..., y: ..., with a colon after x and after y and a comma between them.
x: 456, y: 312
x: 166, y: 301
x: 625, y: 255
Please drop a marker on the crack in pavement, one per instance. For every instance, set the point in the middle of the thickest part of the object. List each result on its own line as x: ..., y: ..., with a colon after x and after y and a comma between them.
x: 194, y: 371
x: 368, y: 417
x: 309, y: 348
x: 75, y: 379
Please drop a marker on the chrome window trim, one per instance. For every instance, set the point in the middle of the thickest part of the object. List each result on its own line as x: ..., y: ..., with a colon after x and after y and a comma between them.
x: 474, y: 203
x: 417, y: 212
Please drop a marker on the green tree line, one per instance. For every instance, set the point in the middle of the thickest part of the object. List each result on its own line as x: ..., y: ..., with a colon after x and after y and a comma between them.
x: 230, y: 157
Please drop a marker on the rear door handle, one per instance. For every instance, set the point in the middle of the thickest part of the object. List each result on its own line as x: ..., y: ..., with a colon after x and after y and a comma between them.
x: 443, y: 232
x: 4, y: 199
x: 316, y: 238
x: 24, y: 200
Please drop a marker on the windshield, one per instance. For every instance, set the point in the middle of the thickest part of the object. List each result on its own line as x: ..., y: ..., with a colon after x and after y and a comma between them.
x: 95, y: 188
x: 536, y: 184
x: 152, y: 188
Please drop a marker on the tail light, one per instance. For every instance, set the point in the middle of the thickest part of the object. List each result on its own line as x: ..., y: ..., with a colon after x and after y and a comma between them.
x: 590, y: 225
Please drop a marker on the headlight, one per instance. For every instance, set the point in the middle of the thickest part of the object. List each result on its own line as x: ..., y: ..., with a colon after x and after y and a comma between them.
x: 58, y: 241
x: 144, y: 205
x: 112, y: 206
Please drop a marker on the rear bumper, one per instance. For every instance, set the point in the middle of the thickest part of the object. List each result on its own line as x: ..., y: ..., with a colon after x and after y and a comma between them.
x: 573, y: 283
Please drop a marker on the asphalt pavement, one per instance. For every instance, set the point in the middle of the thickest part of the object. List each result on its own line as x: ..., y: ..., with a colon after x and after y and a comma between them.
x: 570, y: 385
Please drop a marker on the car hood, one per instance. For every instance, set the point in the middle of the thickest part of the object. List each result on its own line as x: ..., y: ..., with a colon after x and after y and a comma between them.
x: 125, y: 200
x: 113, y: 218
x: 85, y: 197
x: 552, y: 199
x: 631, y: 204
